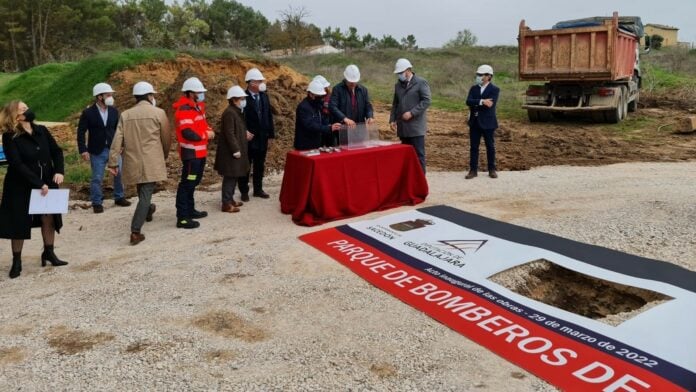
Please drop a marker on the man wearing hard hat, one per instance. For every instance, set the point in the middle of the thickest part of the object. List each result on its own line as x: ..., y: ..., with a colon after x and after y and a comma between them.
x: 350, y: 102
x: 192, y: 134
x: 310, y: 123
x: 99, y: 123
x: 409, y: 110
x: 259, y: 121
x: 482, y: 101
x: 144, y: 136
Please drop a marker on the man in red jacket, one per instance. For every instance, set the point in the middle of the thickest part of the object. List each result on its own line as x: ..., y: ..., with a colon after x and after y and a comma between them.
x: 192, y: 133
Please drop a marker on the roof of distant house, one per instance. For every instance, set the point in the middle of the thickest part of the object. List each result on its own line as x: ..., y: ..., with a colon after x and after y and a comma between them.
x: 663, y: 27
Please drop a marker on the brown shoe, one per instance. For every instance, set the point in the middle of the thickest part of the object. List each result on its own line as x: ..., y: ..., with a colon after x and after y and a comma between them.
x: 471, y: 175
x: 136, y: 238
x: 237, y: 203
x: 227, y: 207
x: 492, y: 174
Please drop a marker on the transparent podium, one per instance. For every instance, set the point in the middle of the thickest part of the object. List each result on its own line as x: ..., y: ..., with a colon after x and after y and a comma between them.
x: 362, y: 135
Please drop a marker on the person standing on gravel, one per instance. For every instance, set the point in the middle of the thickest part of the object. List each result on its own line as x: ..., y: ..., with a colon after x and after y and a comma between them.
x: 259, y: 122
x: 409, y: 109
x: 99, y: 123
x: 143, y: 139
x: 192, y: 133
x: 482, y: 101
x: 350, y: 102
x: 231, y: 159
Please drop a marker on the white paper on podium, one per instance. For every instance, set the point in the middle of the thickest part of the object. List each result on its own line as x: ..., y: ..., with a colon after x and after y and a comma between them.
x: 55, y: 202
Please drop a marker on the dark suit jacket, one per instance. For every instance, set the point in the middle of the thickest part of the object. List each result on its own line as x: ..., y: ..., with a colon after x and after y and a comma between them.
x: 100, y: 136
x: 310, y: 124
x: 260, y: 126
x: 481, y: 116
x: 340, y: 104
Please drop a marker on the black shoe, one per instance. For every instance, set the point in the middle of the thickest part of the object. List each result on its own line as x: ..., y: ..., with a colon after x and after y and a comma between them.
x: 492, y: 174
x: 98, y: 209
x: 122, y: 202
x: 16, y: 267
x: 187, y: 224
x: 261, y: 194
x: 199, y: 214
x: 136, y: 238
x: 150, y: 212
x: 471, y: 174
x: 245, y: 197
x: 51, y: 257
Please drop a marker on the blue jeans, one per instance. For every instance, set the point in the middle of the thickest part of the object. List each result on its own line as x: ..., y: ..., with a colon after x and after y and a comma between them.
x: 98, y: 163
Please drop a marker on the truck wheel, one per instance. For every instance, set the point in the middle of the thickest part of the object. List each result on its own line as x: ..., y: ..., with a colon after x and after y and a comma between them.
x: 614, y: 116
x: 545, y: 116
x: 633, y: 105
x: 533, y: 115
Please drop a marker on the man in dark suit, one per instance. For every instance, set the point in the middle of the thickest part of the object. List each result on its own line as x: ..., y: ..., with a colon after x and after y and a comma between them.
x: 260, y: 132
x: 100, y: 121
x: 482, y: 100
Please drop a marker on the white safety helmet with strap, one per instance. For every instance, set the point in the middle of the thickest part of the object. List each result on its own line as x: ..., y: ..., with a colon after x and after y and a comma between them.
x: 485, y: 69
x: 253, y: 74
x: 316, y: 87
x: 143, y: 88
x: 236, y: 92
x: 193, y: 84
x: 402, y: 65
x: 102, y: 88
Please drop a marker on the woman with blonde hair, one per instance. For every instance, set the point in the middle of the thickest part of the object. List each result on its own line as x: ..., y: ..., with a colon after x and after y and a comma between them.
x: 35, y: 161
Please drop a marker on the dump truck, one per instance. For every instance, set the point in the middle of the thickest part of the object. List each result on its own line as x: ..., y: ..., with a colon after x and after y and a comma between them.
x: 588, y: 65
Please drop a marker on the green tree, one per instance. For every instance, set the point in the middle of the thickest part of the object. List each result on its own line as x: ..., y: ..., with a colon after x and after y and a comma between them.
x: 465, y: 38
x: 656, y: 41
x: 333, y: 37
x: 233, y: 24
x: 409, y: 42
x: 388, y: 42
x: 369, y: 41
x: 353, y: 40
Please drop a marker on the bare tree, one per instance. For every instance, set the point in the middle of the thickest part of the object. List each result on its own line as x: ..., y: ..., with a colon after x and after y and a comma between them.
x: 299, y: 33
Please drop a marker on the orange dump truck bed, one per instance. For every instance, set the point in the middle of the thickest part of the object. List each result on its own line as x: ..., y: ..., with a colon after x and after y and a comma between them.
x: 590, y: 53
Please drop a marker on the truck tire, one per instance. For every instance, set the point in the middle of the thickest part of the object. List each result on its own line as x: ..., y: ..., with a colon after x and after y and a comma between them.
x: 633, y: 105
x: 533, y: 115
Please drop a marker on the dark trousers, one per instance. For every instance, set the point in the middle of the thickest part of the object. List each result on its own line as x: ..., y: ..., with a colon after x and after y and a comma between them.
x: 228, y: 185
x: 418, y: 143
x: 257, y: 163
x: 191, y: 175
x: 145, y: 191
x: 475, y: 134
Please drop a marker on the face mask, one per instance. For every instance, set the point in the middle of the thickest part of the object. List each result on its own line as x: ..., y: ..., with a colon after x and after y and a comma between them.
x: 242, y: 104
x: 262, y: 87
x: 402, y: 77
x: 200, y: 97
x: 109, y: 101
x: 29, y: 116
x: 479, y: 80
x: 153, y: 102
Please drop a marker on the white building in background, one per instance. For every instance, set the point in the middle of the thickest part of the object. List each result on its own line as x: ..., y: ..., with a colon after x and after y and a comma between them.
x: 308, y: 51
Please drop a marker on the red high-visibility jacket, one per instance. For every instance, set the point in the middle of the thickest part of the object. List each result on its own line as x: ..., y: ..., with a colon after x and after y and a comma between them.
x: 191, y: 129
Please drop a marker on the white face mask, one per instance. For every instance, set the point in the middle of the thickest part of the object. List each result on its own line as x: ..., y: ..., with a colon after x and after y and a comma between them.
x: 479, y: 80
x: 242, y: 104
x: 201, y: 97
x: 262, y: 87
x: 109, y: 101
x: 154, y: 101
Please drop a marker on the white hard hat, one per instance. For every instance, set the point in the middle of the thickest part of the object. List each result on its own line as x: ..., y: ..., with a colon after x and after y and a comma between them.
x: 101, y: 88
x: 322, y: 80
x: 143, y: 88
x: 193, y: 84
x: 352, y: 73
x: 485, y: 69
x: 402, y: 65
x: 236, y: 92
x: 316, y: 88
x: 253, y: 74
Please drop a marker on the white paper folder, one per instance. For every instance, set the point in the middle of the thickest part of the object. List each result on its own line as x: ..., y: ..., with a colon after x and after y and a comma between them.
x: 55, y: 202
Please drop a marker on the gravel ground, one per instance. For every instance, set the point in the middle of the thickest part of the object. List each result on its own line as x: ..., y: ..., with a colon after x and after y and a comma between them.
x: 242, y: 304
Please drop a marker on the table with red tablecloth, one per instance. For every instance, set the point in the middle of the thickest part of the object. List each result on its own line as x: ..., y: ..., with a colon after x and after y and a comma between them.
x: 330, y: 186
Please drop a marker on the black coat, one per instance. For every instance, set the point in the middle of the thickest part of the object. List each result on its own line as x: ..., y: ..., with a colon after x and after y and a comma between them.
x: 100, y: 136
x: 261, y: 126
x: 310, y: 124
x: 341, y: 107
x: 33, y: 161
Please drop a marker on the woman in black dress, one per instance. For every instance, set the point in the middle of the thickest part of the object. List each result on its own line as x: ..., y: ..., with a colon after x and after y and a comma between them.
x: 35, y: 162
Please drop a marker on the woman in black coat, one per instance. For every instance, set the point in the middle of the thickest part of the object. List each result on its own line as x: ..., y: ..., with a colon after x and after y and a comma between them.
x: 35, y: 162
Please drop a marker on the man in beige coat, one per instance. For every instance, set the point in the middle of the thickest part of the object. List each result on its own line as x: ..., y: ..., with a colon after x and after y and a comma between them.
x: 143, y: 137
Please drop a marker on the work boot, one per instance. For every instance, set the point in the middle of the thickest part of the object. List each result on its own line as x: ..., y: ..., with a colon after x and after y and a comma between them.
x: 187, y: 224
x: 228, y: 207
x: 150, y: 212
x: 199, y: 214
x: 471, y: 174
x: 136, y: 238
x: 492, y: 174
x: 122, y: 202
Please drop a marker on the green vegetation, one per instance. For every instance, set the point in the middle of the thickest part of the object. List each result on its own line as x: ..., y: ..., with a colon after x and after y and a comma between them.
x: 56, y: 91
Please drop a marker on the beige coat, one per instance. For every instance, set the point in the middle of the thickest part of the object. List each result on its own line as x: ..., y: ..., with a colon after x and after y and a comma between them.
x: 144, y: 136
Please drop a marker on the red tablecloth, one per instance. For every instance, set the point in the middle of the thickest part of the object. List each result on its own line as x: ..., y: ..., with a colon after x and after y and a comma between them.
x: 327, y: 187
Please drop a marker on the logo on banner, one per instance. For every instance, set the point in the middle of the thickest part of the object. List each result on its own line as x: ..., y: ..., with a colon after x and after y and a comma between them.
x: 411, y: 225
x: 463, y: 245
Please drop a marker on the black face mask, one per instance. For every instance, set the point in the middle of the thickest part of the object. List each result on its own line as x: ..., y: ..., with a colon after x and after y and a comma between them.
x: 29, y: 116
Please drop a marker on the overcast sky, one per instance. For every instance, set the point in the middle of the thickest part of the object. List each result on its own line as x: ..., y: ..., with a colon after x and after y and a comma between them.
x: 434, y: 22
